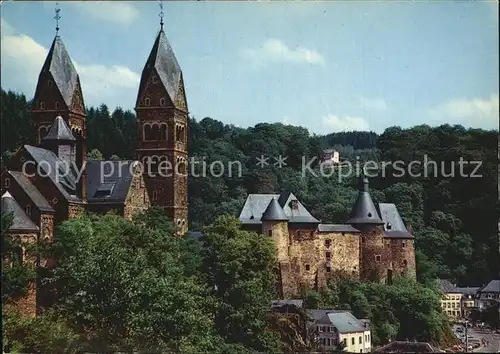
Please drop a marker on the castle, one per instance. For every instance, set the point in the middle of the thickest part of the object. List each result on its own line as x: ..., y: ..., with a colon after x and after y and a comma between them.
x: 51, y: 181
x: 372, y: 245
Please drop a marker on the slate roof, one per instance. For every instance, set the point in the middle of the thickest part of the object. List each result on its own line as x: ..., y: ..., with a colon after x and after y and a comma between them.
x: 33, y: 193
x: 60, y: 66
x: 447, y: 287
x: 364, y: 211
x: 492, y: 287
x: 20, y: 221
x: 407, y: 347
x: 468, y: 290
x: 54, y: 168
x: 274, y: 212
x: 337, y: 228
x: 108, y: 181
x: 59, y: 131
x: 279, y: 303
x: 345, y: 322
x: 163, y: 60
x: 256, y: 204
x: 393, y: 223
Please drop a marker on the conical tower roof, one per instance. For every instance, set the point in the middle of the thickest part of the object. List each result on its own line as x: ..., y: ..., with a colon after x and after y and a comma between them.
x: 59, y: 131
x: 163, y: 60
x: 274, y: 212
x: 364, y: 211
x: 60, y: 66
x: 20, y: 221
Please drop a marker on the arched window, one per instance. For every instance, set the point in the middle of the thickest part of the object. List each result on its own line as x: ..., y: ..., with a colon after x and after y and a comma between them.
x: 155, y: 79
x: 183, y: 134
x: 163, y: 132
x: 162, y: 101
x: 405, y: 263
x: 42, y: 133
x: 147, y: 132
x: 42, y: 105
x: 147, y: 101
x: 156, y: 132
x: 6, y: 183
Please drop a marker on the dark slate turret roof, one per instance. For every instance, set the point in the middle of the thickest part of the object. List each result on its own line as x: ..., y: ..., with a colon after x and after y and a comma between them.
x: 60, y: 66
x: 20, y: 221
x: 364, y: 211
x: 59, y: 131
x: 163, y: 60
x: 274, y: 212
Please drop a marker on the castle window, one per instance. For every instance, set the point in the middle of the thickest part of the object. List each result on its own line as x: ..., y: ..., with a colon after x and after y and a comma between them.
x: 378, y: 258
x: 270, y: 233
x: 6, y: 183
x: 42, y: 105
x: 352, y: 340
x: 155, y: 79
x: 154, y: 196
x: 56, y: 105
x: 328, y: 255
x: 389, y: 226
x: 147, y: 101
x: 403, y: 243
x: 54, y: 200
x: 162, y: 101
x: 148, y: 132
x: 50, y: 83
x: 28, y: 210
x: 405, y: 263
x: 155, y: 132
x: 328, y: 269
x: 308, y: 267
x: 294, y: 204
x: 369, y: 215
x: 178, y: 222
x: 298, y: 233
x: 328, y: 243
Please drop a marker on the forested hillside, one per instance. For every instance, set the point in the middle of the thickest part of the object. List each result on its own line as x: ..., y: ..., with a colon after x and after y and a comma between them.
x: 454, y: 219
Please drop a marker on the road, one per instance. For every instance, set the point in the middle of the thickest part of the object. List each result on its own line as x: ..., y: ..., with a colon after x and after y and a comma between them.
x: 492, y: 338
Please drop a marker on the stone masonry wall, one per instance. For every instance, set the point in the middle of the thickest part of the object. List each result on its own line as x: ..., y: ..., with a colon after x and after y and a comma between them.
x: 375, y: 256
x: 137, y: 200
x: 403, y: 257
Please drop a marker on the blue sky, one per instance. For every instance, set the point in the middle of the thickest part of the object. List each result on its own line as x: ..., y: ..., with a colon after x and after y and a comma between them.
x: 327, y: 66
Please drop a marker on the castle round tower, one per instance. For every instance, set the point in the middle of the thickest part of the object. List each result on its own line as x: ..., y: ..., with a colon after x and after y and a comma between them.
x: 375, y: 258
x: 275, y: 225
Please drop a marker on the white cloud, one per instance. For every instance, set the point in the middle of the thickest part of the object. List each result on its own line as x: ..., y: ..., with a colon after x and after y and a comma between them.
x: 6, y: 29
x: 476, y: 112
x: 23, y: 58
x: 375, y: 104
x: 344, y: 123
x: 275, y: 51
x: 112, y: 11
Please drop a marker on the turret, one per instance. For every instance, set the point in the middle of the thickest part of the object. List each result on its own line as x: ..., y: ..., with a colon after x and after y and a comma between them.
x: 61, y: 141
x: 275, y: 225
x: 375, y: 257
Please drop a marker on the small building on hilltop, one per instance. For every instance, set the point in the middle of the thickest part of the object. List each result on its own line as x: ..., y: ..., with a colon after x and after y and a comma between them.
x: 373, y: 244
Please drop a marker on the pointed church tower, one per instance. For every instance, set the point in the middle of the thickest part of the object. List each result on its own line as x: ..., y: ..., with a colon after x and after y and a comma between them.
x: 162, y: 117
x: 58, y: 93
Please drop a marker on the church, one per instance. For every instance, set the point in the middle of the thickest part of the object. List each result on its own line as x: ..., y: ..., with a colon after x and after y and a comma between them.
x: 51, y: 180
